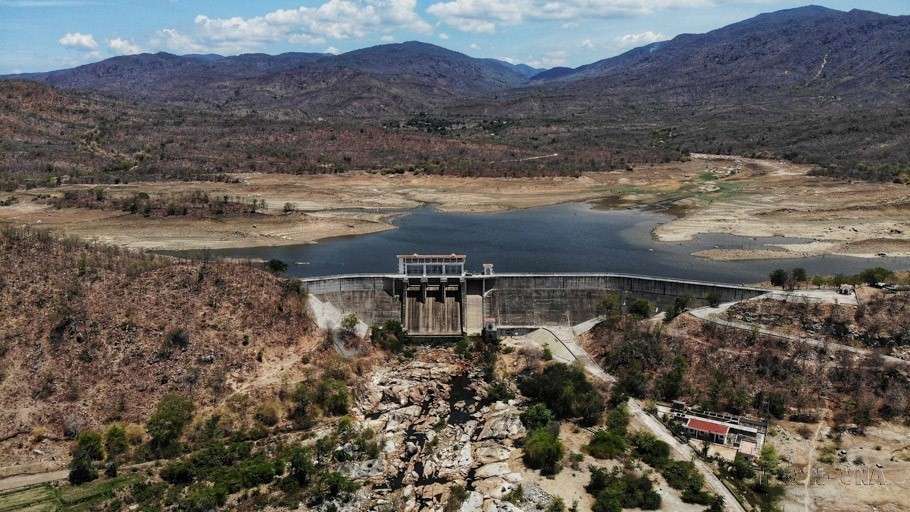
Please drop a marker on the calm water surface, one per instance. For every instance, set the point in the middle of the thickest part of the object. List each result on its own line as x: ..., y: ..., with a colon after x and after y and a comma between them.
x: 560, y: 238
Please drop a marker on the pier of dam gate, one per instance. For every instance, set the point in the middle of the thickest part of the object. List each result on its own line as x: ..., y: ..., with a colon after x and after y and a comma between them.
x: 448, y: 302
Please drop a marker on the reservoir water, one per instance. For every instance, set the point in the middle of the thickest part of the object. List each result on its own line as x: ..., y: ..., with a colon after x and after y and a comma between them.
x: 560, y: 238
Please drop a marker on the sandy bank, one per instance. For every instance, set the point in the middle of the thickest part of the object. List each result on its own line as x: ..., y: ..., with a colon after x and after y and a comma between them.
x: 724, y: 195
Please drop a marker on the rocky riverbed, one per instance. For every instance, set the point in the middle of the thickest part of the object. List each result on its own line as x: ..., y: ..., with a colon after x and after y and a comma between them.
x: 439, y: 429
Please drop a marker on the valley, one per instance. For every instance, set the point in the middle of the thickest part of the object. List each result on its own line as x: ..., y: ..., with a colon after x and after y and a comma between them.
x: 182, y: 329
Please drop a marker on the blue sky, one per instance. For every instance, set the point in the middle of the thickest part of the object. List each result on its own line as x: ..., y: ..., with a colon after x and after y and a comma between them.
x: 41, y: 35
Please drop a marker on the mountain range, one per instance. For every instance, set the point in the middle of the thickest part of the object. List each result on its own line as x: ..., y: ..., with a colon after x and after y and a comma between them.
x: 797, y: 53
x: 812, y: 84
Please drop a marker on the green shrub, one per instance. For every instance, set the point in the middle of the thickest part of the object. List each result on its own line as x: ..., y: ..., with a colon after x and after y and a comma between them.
x: 566, y: 392
x: 618, y: 420
x: 536, y: 416
x: 145, y: 491
x: 651, y: 450
x: 543, y: 451
x: 682, y: 475
x: 670, y: 384
x: 166, y: 425
x: 303, y: 465
x: 333, y: 484
x: 499, y: 390
x: 516, y: 496
x: 115, y: 441
x: 608, y: 305
x: 463, y: 347
x: 391, y: 336
x: 349, y: 323
x: 258, y: 473
x: 679, y: 305
x: 202, y: 497
x: 268, y: 413
x: 111, y: 468
x: 557, y: 504
x: 228, y: 478
x: 333, y: 396
x: 606, y: 445
x: 875, y: 275
x: 457, y: 496
x: 178, y: 473
x: 616, y: 490
x: 276, y: 266
x: 713, y: 299
x: 740, y: 468
x: 302, y: 399
x: 641, y: 308
x: 698, y: 497
x: 89, y: 443
x: 778, y: 277
x: 81, y: 469
x: 177, y: 338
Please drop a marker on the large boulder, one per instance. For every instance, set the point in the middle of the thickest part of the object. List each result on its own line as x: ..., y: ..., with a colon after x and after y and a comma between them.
x: 491, y: 451
x: 364, y: 469
x: 495, y: 487
x: 491, y: 470
x: 473, y: 503
x: 503, y: 425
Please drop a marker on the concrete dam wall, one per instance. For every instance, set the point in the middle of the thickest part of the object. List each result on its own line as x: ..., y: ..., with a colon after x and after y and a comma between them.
x: 373, y: 298
x: 455, y: 305
x: 570, y: 299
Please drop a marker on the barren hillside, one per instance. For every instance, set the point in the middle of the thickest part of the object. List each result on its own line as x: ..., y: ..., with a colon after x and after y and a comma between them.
x: 90, y: 335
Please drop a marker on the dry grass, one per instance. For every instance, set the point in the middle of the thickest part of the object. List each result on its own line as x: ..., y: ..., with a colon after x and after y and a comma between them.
x: 92, y: 334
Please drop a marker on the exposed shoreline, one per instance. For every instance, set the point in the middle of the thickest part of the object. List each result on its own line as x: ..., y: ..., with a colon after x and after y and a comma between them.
x: 723, y: 195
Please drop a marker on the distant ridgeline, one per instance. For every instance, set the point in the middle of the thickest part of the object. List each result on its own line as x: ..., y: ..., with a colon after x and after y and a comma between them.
x: 810, y: 84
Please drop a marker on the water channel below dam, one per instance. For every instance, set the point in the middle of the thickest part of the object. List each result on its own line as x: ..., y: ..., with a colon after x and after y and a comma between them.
x: 571, y: 237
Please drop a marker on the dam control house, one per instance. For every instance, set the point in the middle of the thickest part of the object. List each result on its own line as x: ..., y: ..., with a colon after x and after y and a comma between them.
x: 431, y: 264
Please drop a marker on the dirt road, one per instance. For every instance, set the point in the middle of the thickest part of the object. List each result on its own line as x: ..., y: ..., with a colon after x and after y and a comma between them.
x: 712, y: 315
x: 19, y: 481
x: 566, y: 337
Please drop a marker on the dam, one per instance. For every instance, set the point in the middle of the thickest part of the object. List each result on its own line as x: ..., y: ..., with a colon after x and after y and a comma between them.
x: 433, y: 296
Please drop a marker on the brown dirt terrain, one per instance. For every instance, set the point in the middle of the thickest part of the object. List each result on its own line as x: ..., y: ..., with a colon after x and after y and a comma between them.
x: 709, y: 194
x: 94, y: 334
x: 870, y: 471
x: 878, y: 323
x: 777, y: 198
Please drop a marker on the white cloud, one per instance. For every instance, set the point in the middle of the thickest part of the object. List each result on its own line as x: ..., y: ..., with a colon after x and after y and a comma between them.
x: 172, y: 40
x: 478, y: 15
x: 559, y: 58
x: 474, y: 46
x: 332, y: 50
x: 487, y: 15
x: 78, y: 41
x: 586, y: 44
x: 46, y: 3
x: 640, y: 39
x: 550, y: 60
x: 332, y: 20
x: 443, y: 36
x: 387, y: 38
x: 122, y: 46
